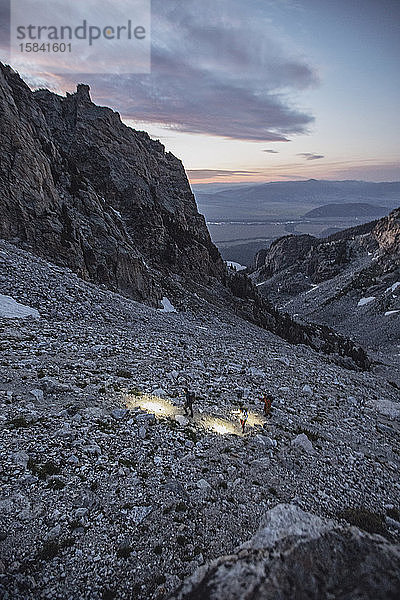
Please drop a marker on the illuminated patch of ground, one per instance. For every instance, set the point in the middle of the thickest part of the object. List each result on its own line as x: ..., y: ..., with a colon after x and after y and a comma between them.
x: 152, y: 404
x: 220, y: 426
x: 161, y: 407
x: 253, y: 418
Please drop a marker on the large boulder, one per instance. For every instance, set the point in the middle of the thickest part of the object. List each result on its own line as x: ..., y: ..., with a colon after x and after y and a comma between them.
x: 297, y: 555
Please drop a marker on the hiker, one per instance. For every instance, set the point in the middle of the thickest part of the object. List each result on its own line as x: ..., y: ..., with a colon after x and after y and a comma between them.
x: 189, y: 399
x: 267, y: 399
x: 243, y: 416
x: 361, y: 404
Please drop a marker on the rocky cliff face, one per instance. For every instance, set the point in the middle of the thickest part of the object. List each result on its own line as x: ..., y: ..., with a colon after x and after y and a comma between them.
x: 283, y: 253
x: 81, y: 188
x: 297, y: 262
x: 387, y: 234
x: 317, y: 261
x: 349, y: 281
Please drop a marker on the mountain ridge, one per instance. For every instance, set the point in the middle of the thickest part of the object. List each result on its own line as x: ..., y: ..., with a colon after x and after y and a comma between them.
x: 326, y: 280
x: 70, y: 155
x: 81, y: 189
x: 349, y: 209
x: 260, y: 201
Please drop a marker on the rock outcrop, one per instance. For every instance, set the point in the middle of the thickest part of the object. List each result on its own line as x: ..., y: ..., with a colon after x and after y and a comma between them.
x: 317, y: 260
x: 387, y: 233
x: 348, y: 209
x: 349, y: 281
x: 299, y: 555
x: 283, y: 253
x: 82, y: 189
x: 313, y: 259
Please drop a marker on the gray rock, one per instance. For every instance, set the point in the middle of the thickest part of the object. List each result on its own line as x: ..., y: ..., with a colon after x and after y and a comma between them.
x: 263, y: 462
x: 93, y: 450
x: 202, y: 484
x: 125, y: 548
x: 21, y: 458
x: 298, y: 555
x: 159, y: 392
x: 54, y: 533
x: 73, y: 459
x: 302, y: 441
x: 266, y: 441
x: 119, y: 413
x: 393, y: 523
x: 37, y: 394
x: 145, y: 418
x: 283, y: 521
x: 94, y: 412
x: 138, y: 514
x: 175, y: 486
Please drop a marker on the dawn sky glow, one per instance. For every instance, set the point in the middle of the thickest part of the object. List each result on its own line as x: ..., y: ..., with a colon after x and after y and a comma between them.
x: 263, y: 90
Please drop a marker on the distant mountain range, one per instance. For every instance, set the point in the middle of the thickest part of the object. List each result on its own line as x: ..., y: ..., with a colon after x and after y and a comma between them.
x: 358, y: 209
x: 292, y: 198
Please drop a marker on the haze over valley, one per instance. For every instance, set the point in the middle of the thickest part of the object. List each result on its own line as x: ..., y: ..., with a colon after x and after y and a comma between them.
x: 243, y: 219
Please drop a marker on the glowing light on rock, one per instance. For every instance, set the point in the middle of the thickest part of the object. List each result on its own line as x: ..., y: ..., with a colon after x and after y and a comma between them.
x: 221, y: 429
x: 220, y: 426
x: 151, y: 404
x: 252, y: 420
x: 255, y: 419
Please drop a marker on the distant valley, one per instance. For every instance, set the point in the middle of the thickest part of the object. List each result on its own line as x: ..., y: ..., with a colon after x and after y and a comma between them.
x: 357, y: 209
x: 244, y: 219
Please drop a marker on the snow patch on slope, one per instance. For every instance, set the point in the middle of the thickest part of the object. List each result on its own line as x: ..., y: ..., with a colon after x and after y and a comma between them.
x: 11, y: 309
x: 235, y: 265
x: 167, y: 306
x: 364, y: 301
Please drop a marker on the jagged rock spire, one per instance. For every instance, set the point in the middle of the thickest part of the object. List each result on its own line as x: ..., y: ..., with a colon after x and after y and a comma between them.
x: 83, y: 92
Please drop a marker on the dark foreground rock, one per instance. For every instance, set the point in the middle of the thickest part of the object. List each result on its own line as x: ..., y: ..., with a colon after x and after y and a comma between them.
x: 299, y: 555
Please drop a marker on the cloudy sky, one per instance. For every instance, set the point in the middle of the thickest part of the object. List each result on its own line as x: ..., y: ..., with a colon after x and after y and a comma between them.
x: 262, y: 90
